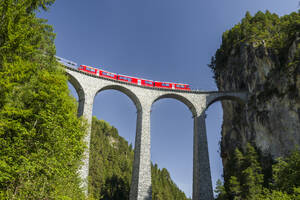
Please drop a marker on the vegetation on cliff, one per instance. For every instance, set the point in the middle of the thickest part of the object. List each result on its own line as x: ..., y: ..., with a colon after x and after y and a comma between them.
x: 41, y: 138
x: 111, y: 160
x: 261, y: 55
x: 247, y: 178
x: 273, y: 34
x: 265, y: 29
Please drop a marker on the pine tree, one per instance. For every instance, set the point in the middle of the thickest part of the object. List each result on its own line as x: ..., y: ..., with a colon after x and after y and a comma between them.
x: 220, y: 191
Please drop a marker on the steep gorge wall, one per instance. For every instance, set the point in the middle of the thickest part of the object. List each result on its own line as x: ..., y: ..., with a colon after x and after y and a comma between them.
x: 271, y: 74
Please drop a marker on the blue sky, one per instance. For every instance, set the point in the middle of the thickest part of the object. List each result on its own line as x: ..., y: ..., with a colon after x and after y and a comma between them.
x: 167, y: 40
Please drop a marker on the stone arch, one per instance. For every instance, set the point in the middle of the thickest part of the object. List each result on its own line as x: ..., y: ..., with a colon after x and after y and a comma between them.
x: 125, y: 91
x: 80, y: 92
x: 240, y: 98
x: 180, y: 98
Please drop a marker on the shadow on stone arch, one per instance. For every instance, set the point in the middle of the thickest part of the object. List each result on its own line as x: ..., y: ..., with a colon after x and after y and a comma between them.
x: 80, y: 92
x: 125, y: 91
x: 179, y: 98
x: 240, y: 98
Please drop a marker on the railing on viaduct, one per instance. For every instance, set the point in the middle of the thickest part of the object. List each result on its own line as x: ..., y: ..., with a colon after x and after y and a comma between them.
x: 88, y: 86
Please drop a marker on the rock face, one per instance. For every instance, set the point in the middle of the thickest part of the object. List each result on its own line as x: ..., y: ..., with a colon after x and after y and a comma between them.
x: 271, y: 118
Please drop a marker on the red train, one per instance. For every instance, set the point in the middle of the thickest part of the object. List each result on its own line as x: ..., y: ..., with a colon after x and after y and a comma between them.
x: 133, y: 80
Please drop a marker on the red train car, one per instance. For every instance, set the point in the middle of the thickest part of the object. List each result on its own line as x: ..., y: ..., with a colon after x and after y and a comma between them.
x: 160, y: 84
x: 174, y: 86
x: 88, y: 69
x: 133, y: 80
x: 144, y: 82
x: 107, y: 74
x: 180, y: 86
x: 98, y: 72
x: 127, y: 79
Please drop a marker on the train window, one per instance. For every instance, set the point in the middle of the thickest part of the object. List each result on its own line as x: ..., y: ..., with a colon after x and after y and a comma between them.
x: 91, y: 69
x: 108, y: 74
x: 165, y: 84
x: 180, y: 86
x: 148, y: 82
x: 123, y: 78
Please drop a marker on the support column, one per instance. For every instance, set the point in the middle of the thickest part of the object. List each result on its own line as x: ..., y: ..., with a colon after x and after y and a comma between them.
x: 85, y: 108
x: 141, y: 173
x: 202, y: 185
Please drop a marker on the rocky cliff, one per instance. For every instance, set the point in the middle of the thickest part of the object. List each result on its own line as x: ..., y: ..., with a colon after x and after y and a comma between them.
x: 262, y: 56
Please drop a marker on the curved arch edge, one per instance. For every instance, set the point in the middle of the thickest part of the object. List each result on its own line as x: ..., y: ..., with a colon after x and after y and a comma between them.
x: 180, y: 98
x: 240, y: 97
x: 125, y: 91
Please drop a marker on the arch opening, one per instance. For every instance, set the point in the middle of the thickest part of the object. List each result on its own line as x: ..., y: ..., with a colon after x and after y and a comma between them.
x: 112, y: 141
x: 78, y: 92
x: 214, y: 121
x: 125, y: 91
x: 235, y: 98
x: 76, y: 85
x: 179, y: 98
x: 172, y: 137
x: 73, y: 91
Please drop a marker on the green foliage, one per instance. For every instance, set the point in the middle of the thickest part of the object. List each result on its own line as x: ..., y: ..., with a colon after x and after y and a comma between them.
x: 110, y: 163
x: 163, y: 187
x: 262, y: 28
x: 246, y: 178
x: 220, y: 190
x: 263, y: 31
x: 41, y: 137
x: 111, y: 160
x: 287, y: 173
x: 274, y: 195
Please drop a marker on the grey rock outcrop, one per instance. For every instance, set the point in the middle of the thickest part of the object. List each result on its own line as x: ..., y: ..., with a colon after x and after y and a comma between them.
x: 271, y: 119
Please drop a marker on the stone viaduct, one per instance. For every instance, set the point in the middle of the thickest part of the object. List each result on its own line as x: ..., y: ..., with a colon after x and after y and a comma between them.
x: 87, y: 87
